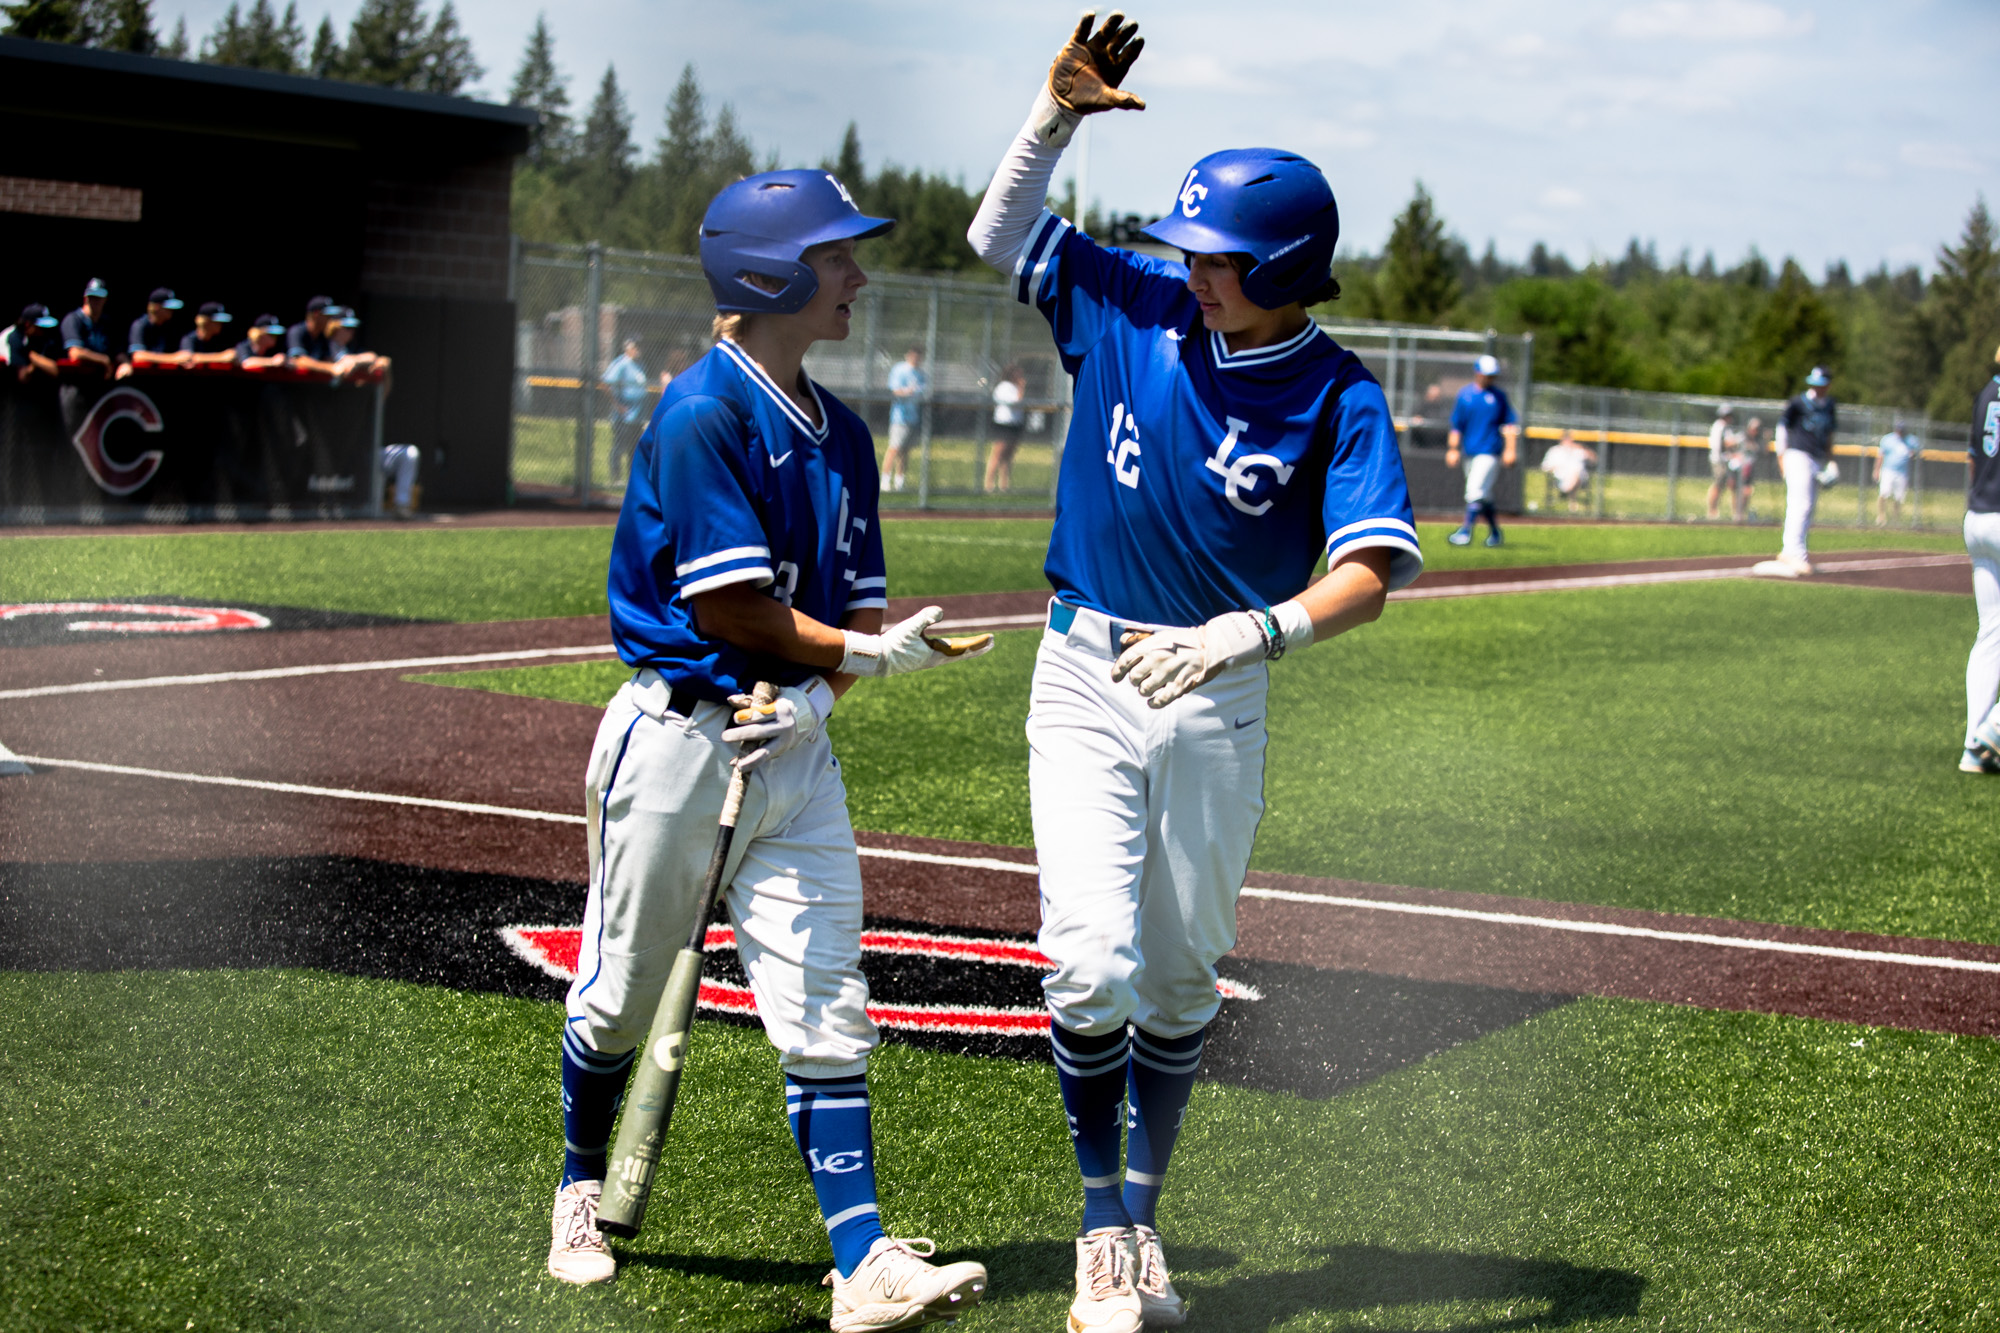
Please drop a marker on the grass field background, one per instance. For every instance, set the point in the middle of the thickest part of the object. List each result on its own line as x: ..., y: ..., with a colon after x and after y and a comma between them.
x: 295, y: 1150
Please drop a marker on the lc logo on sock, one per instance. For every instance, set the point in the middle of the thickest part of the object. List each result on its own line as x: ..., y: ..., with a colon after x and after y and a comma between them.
x: 838, y: 1163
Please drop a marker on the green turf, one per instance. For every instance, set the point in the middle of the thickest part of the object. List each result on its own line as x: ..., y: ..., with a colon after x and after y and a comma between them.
x: 285, y: 1150
x: 1765, y: 751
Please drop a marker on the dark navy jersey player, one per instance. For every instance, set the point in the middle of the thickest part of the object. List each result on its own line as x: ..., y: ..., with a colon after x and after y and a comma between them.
x: 748, y: 549
x: 86, y: 341
x: 152, y: 338
x: 1221, y: 448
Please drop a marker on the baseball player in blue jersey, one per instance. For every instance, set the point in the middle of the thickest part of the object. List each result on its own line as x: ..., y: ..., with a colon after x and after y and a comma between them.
x: 1220, y: 447
x: 1485, y: 429
x: 748, y: 549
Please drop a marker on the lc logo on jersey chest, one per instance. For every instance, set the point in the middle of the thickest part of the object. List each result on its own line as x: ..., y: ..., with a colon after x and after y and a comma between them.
x: 1124, y: 455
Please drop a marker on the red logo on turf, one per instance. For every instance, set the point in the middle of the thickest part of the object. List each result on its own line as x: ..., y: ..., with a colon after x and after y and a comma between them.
x: 123, y: 403
x: 184, y: 619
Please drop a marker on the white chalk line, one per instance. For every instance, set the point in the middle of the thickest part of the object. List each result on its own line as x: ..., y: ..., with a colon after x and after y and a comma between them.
x: 284, y: 673
x: 1015, y: 867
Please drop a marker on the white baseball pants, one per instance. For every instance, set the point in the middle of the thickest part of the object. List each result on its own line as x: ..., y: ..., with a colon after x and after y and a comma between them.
x: 1144, y: 820
x: 400, y: 462
x: 1982, y: 668
x: 1801, y: 473
x: 793, y: 882
x: 1482, y: 472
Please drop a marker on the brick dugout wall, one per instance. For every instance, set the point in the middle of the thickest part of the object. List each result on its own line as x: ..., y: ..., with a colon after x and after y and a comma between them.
x: 442, y: 235
x: 69, y: 199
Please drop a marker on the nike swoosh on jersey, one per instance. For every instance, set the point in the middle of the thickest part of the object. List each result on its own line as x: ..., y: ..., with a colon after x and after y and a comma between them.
x: 1243, y: 722
x: 782, y: 457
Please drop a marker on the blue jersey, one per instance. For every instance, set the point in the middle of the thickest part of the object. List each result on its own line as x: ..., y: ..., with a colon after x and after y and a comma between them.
x: 732, y: 483
x: 1196, y: 480
x: 1478, y: 415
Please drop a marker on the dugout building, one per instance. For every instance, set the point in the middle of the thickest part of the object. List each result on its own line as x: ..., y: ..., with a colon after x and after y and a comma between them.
x: 261, y: 190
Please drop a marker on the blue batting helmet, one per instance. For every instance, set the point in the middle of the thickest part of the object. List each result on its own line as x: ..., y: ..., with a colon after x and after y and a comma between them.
x: 762, y: 225
x: 1272, y: 205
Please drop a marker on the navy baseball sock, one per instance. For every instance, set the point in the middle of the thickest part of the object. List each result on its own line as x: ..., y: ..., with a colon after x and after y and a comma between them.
x: 592, y: 1086
x: 830, y: 1123
x: 1091, y: 1072
x: 1162, y: 1076
x: 1488, y: 512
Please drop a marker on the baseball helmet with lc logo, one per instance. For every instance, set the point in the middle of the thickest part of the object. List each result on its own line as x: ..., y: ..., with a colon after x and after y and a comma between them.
x: 761, y: 227
x: 1272, y: 205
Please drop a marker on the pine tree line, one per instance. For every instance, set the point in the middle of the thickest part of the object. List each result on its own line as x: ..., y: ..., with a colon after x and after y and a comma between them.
x: 389, y: 43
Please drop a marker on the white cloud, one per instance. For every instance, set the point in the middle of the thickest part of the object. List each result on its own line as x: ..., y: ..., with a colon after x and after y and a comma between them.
x: 1523, y: 44
x: 1941, y: 157
x: 1710, y: 21
x: 1561, y: 196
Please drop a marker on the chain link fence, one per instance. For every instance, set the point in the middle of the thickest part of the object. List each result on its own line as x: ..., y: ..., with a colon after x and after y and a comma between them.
x: 578, y: 304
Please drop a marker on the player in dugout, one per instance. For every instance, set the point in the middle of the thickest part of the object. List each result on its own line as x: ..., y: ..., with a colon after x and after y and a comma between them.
x: 151, y: 340
x: 309, y: 344
x: 33, y: 344
x: 210, y: 343
x: 264, y: 347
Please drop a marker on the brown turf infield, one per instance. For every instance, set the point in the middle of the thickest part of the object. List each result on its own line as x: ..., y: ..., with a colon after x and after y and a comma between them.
x: 371, y: 731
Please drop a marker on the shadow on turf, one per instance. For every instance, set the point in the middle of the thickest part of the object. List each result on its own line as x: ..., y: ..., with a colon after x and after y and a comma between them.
x: 1368, y: 1277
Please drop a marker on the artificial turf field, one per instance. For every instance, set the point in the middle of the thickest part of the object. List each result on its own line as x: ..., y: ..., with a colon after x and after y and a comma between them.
x: 287, y: 1149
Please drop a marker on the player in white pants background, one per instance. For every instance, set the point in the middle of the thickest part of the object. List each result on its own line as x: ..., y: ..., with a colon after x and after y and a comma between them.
x: 1220, y: 446
x: 748, y: 549
x: 1982, y: 543
x: 1805, y: 461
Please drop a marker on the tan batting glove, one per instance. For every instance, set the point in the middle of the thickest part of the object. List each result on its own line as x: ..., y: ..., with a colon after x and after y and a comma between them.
x: 1084, y: 78
x: 1165, y: 665
x: 905, y: 647
x: 795, y: 715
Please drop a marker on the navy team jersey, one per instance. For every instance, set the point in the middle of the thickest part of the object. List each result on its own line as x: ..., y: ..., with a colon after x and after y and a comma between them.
x: 1982, y: 493
x: 1478, y: 415
x: 1198, y: 481
x: 80, y: 330
x: 732, y: 483
x: 1809, y: 424
x: 146, y: 336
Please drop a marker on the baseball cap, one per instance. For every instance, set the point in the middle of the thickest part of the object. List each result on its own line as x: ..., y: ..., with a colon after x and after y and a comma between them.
x: 1818, y: 378
x: 1725, y: 409
x: 270, y: 324
x: 317, y: 304
x: 215, y: 311
x: 1489, y: 365
x: 96, y: 287
x: 164, y: 296
x: 349, y: 320
x: 37, y: 316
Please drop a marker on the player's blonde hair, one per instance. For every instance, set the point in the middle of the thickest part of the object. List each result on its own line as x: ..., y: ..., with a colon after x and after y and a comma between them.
x: 727, y: 326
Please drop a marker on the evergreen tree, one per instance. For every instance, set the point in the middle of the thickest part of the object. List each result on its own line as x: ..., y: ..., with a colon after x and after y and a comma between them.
x: 324, y: 62
x: 128, y: 26
x: 1419, y: 281
x: 539, y: 84
x: 49, y: 20
x: 1792, y: 333
x: 258, y: 40
x: 848, y: 167
x: 176, y: 47
x: 449, y: 65
x: 603, y: 166
x: 1963, y: 315
x: 394, y: 44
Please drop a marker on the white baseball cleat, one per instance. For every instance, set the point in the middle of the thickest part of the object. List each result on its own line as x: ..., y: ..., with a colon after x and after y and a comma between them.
x: 894, y: 1288
x: 577, y: 1253
x: 1975, y: 761
x: 1782, y: 568
x: 1159, y: 1304
x: 1107, y: 1293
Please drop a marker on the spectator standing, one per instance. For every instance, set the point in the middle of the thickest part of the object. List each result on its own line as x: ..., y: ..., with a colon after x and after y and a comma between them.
x: 210, y: 343
x: 1568, y: 465
x: 909, y: 385
x: 1485, y: 430
x: 1894, y: 455
x: 1008, y: 419
x: 625, y: 380
x: 308, y: 343
x: 1805, y: 461
x: 1725, y: 472
x: 151, y: 340
x: 33, y: 344
x: 1982, y: 543
x: 264, y: 348
x: 1748, y: 450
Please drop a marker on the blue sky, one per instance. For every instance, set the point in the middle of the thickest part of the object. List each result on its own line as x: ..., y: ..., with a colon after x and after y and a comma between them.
x: 1861, y: 131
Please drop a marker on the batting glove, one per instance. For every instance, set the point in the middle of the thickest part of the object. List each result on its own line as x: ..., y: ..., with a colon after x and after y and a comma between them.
x: 1167, y: 664
x: 773, y: 728
x: 905, y: 647
x: 1084, y: 78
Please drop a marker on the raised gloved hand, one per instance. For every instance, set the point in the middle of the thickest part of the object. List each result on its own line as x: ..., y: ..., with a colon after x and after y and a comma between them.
x: 1167, y: 664
x: 905, y: 647
x: 1084, y: 79
x: 795, y: 715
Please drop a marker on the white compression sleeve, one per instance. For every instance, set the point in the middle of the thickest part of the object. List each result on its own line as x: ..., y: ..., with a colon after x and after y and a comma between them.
x: 1294, y: 623
x: 1020, y: 186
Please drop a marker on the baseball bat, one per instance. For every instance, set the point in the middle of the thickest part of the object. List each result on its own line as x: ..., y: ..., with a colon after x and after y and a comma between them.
x: 649, y: 1106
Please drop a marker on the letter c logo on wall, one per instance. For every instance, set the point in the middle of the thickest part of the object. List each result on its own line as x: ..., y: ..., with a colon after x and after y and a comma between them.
x: 121, y: 404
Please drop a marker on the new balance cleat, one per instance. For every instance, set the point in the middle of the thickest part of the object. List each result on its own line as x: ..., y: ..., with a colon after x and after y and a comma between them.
x: 1463, y: 537
x: 895, y: 1288
x: 1972, y: 761
x: 1159, y: 1304
x: 577, y: 1252
x: 1107, y: 1293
